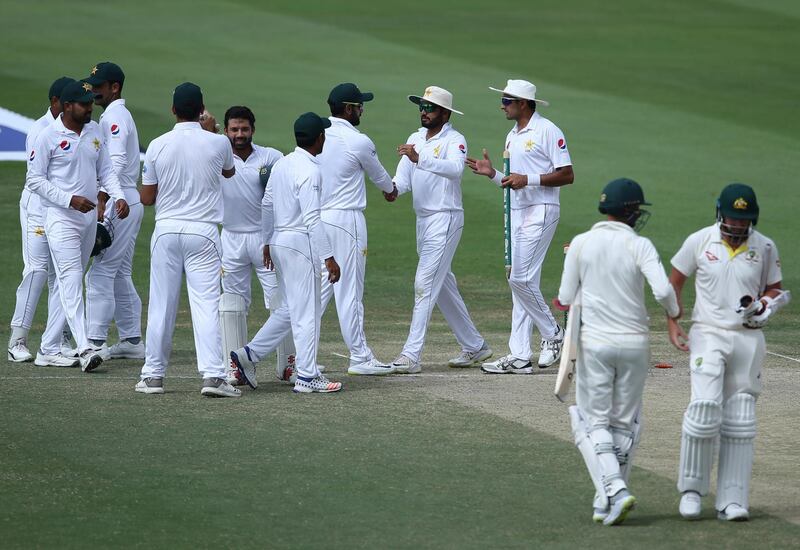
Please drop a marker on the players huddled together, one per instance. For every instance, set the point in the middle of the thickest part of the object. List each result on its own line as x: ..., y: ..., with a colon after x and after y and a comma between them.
x: 298, y: 221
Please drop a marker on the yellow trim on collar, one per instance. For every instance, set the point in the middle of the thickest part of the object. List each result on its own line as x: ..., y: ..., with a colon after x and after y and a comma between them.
x: 733, y: 253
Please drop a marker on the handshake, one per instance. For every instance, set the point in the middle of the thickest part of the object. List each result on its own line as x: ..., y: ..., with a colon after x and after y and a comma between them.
x: 391, y: 197
x: 757, y: 312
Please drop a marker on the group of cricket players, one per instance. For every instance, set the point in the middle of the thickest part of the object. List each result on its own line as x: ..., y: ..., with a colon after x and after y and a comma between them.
x: 297, y: 220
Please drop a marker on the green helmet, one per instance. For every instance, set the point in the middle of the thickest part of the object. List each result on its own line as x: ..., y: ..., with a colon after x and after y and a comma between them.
x: 621, y: 198
x: 738, y: 201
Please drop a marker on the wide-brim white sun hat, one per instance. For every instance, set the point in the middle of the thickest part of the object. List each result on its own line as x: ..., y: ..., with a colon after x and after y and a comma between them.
x: 437, y: 96
x: 521, y: 89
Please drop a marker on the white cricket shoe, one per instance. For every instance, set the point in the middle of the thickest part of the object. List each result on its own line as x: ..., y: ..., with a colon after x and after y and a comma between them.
x: 690, y: 506
x: 320, y: 384
x: 734, y: 512
x: 91, y: 359
x: 125, y: 350
x: 373, y: 367
x: 218, y: 387
x: 57, y: 360
x: 19, y: 352
x: 599, y: 514
x: 150, y: 385
x: 508, y: 364
x: 244, y: 367
x: 551, y: 350
x: 66, y: 346
x: 405, y: 365
x: 286, y: 372
x: 620, y: 505
x: 471, y: 358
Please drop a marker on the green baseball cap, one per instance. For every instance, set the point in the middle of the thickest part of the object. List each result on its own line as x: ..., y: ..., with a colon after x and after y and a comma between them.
x: 187, y: 95
x: 620, y: 195
x: 77, y: 91
x: 738, y: 201
x: 309, y: 126
x: 106, y: 72
x: 58, y: 86
x: 348, y: 93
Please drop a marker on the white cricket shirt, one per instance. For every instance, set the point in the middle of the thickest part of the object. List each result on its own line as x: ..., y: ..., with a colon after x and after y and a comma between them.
x: 291, y: 203
x: 537, y: 149
x: 723, y: 276
x: 186, y: 164
x: 63, y: 164
x: 31, y: 200
x: 347, y: 154
x: 122, y: 139
x: 610, y: 263
x: 242, y: 194
x: 435, y: 180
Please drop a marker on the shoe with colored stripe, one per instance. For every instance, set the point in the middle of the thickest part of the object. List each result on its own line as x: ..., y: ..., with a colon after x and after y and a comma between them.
x: 320, y: 384
x: 244, y: 367
x: 621, y: 504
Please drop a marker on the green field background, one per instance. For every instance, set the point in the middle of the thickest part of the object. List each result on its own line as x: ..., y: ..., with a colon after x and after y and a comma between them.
x: 683, y: 96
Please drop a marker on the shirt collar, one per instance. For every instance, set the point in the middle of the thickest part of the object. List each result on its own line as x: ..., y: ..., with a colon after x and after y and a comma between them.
x: 531, y: 123
x: 342, y: 122
x: 59, y: 124
x: 187, y: 125
x: 117, y: 102
x: 305, y: 153
x: 445, y: 128
x: 616, y: 226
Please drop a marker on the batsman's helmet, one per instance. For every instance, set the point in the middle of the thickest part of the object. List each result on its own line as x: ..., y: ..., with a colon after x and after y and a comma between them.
x: 738, y: 201
x: 103, y: 239
x: 622, y: 198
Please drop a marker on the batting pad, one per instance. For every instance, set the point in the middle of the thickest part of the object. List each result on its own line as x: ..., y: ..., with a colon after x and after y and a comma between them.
x: 625, y: 444
x: 586, y: 448
x: 701, y: 425
x: 233, y: 324
x: 736, y: 451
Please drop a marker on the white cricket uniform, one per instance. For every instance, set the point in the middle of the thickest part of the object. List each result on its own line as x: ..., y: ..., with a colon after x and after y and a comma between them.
x: 607, y: 267
x: 64, y: 164
x: 539, y: 148
x: 297, y: 241
x: 435, y: 183
x: 242, y: 242
x: 347, y: 155
x: 110, y: 292
x: 725, y: 360
x: 185, y: 163
x: 35, y: 253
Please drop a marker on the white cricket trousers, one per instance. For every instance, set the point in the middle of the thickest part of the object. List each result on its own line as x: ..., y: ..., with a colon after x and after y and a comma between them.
x: 37, y: 267
x: 179, y: 247
x: 70, y: 235
x: 298, y: 268
x: 241, y: 253
x: 110, y: 292
x: 438, y: 236
x: 532, y: 230
x: 347, y: 233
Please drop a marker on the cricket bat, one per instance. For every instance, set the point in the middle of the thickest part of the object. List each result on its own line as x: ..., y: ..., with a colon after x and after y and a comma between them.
x: 507, y: 212
x: 569, y: 353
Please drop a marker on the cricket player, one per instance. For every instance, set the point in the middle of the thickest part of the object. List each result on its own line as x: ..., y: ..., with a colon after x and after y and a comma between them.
x: 606, y: 267
x: 242, y: 243
x: 737, y: 289
x: 540, y: 166
x: 181, y: 177
x: 36, y: 255
x: 68, y: 160
x: 349, y: 153
x: 431, y: 165
x: 295, y: 243
x: 110, y: 292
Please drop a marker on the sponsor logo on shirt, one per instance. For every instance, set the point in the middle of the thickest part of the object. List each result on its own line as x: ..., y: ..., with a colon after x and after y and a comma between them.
x: 711, y: 257
x: 562, y: 144
x: 462, y: 148
x: 65, y: 146
x: 114, y: 130
x: 33, y: 154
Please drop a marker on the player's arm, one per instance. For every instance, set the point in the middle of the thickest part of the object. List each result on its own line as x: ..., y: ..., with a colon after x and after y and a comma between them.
x: 308, y: 196
x: 402, y: 176
x: 677, y: 335
x: 650, y: 265
x: 267, y: 224
x: 149, y: 190
x: 570, y: 277
x: 36, y: 179
x: 110, y: 183
x: 228, y: 167
x: 368, y: 157
x: 451, y: 166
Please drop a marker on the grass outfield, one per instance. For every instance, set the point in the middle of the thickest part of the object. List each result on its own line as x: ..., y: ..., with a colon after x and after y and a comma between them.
x: 684, y: 97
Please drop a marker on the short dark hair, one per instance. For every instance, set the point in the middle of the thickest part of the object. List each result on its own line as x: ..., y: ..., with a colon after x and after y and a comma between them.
x: 188, y: 112
x: 336, y: 108
x: 305, y: 141
x: 240, y: 111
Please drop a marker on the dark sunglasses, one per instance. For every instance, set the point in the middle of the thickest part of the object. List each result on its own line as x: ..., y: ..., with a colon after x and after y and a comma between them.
x: 427, y: 107
x: 506, y: 101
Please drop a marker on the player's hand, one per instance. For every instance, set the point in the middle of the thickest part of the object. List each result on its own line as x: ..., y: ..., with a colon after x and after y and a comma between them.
x: 408, y: 150
x: 677, y: 336
x: 122, y: 209
x: 209, y: 122
x: 391, y: 197
x: 268, y: 259
x: 101, y: 208
x: 333, y: 269
x: 482, y: 167
x: 514, y: 181
x: 81, y: 204
x: 759, y: 319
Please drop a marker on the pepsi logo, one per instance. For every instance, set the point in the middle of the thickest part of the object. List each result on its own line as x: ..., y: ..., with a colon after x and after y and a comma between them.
x: 114, y: 130
x: 64, y: 145
x: 562, y: 144
x: 33, y: 154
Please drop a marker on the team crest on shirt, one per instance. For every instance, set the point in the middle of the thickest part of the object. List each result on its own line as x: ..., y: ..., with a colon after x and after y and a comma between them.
x: 114, y: 130
x: 33, y: 155
x: 529, y: 146
x: 751, y: 256
x: 65, y: 146
x: 562, y: 144
x: 437, y: 150
x: 38, y: 231
x: 698, y: 363
x: 711, y: 257
x: 96, y: 143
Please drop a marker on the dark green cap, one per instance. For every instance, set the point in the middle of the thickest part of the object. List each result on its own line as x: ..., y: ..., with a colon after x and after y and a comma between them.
x: 348, y: 93
x: 309, y: 126
x: 78, y: 91
x: 58, y: 86
x: 106, y: 72
x: 187, y: 95
x: 738, y: 201
x: 621, y: 195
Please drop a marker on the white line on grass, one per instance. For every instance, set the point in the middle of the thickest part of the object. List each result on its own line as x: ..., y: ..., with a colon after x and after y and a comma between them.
x: 784, y: 356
